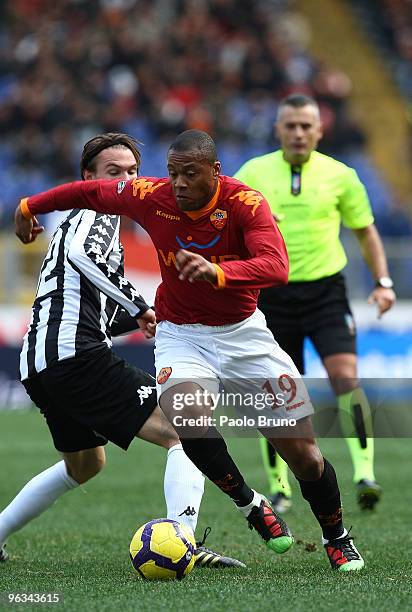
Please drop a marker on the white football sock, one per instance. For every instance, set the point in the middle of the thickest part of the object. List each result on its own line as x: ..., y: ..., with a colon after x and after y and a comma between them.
x: 34, y: 498
x: 246, y: 510
x: 183, y: 487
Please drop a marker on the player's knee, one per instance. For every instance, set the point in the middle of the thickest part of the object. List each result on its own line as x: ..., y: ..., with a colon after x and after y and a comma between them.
x: 342, y: 372
x: 87, y: 472
x: 343, y: 383
x: 187, y: 409
x: 313, y: 467
x: 98, y: 464
x: 88, y: 465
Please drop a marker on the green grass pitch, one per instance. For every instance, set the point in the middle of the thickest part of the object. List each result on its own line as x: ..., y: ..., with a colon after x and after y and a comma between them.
x: 80, y: 546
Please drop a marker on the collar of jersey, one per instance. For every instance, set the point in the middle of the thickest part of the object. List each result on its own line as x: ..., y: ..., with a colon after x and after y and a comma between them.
x: 205, y: 210
x: 304, y: 165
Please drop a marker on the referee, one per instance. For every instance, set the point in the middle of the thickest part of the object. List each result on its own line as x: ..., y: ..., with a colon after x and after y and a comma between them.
x: 310, y: 195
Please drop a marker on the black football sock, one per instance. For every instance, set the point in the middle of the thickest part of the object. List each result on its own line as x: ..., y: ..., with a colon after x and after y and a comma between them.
x: 271, y: 454
x: 210, y: 456
x: 324, y: 498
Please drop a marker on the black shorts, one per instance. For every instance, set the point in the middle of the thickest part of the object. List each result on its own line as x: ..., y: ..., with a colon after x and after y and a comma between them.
x: 318, y: 310
x: 90, y: 399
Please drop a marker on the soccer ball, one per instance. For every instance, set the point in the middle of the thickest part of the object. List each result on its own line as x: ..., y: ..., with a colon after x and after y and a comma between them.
x: 163, y: 549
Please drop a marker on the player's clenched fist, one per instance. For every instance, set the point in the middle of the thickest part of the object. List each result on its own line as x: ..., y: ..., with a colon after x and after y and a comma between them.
x: 26, y: 228
x: 194, y: 267
x: 147, y: 323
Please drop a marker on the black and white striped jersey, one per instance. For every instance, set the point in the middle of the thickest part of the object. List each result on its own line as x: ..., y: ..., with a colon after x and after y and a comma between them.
x: 81, y: 281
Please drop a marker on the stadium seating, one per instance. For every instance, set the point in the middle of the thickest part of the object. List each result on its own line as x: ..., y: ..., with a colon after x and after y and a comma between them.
x: 70, y: 70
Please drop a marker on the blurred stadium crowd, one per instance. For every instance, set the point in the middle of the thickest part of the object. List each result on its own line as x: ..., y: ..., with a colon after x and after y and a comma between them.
x: 73, y: 68
x: 389, y: 23
x: 70, y: 69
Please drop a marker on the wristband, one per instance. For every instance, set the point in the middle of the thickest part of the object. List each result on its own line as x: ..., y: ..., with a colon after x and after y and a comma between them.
x: 24, y: 207
x: 220, y: 278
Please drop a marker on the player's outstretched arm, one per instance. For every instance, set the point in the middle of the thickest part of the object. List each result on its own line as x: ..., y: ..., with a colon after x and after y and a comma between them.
x: 110, y: 197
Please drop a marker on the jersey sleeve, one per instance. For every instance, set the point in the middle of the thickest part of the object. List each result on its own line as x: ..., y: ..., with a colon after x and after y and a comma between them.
x: 131, y: 198
x: 95, y: 251
x: 122, y: 322
x: 354, y: 205
x: 268, y: 263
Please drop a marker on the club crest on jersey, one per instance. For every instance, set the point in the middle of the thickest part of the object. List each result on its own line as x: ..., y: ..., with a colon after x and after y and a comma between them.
x: 163, y: 375
x: 218, y: 218
x: 120, y: 186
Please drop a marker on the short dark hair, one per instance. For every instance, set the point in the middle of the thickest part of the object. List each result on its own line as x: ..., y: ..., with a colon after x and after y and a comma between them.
x: 195, y: 140
x: 297, y: 100
x: 96, y: 145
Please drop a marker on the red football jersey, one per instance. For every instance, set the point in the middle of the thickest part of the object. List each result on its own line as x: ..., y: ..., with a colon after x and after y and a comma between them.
x: 235, y: 231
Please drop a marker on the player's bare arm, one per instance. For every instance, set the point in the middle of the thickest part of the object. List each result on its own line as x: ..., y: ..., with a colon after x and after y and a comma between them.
x: 374, y: 255
x: 193, y: 267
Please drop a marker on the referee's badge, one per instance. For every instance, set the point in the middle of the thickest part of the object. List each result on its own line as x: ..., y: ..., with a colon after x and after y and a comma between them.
x: 163, y: 375
x: 218, y: 218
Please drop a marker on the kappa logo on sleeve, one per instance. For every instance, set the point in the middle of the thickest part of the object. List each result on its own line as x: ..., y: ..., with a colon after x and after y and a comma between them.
x: 250, y: 198
x: 163, y: 375
x: 141, y: 187
x: 120, y: 186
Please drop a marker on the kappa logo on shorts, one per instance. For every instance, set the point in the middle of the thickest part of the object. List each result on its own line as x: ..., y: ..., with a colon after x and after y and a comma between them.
x: 163, y: 375
x: 144, y: 392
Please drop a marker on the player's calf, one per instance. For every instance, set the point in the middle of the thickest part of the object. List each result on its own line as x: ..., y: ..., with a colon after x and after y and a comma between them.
x: 211, y: 456
x: 324, y: 498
